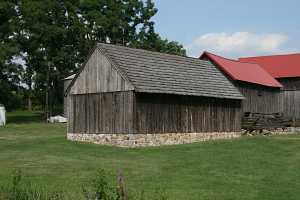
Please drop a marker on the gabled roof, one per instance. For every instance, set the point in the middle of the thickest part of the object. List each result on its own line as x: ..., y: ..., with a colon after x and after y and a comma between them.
x: 242, y: 71
x: 279, y: 66
x: 154, y: 72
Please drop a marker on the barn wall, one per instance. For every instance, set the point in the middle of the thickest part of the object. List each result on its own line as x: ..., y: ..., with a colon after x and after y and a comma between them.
x: 290, y: 83
x: 271, y: 100
x: 291, y: 103
x: 66, y: 85
x: 260, y: 99
x: 185, y: 114
x: 110, y: 112
x: 290, y: 97
x: 99, y: 75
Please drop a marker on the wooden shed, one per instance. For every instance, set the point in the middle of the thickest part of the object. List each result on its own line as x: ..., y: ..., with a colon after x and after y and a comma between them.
x: 261, y: 90
x: 67, y: 82
x: 286, y: 70
x: 132, y: 97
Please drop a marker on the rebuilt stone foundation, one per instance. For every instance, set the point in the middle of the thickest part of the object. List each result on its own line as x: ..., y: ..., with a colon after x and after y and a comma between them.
x: 141, y: 140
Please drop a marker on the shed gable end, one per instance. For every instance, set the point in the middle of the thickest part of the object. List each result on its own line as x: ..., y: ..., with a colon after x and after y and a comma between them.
x: 99, y: 75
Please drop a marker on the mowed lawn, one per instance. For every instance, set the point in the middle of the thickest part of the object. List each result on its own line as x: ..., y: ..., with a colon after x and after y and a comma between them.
x: 247, y: 168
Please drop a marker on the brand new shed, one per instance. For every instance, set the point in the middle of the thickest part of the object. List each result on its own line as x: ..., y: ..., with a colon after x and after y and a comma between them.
x: 261, y: 90
x: 131, y: 97
x: 286, y: 69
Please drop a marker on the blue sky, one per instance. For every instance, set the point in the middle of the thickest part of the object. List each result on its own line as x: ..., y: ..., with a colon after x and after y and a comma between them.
x: 232, y: 28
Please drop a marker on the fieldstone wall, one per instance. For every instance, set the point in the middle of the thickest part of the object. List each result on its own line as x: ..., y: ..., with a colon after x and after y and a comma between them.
x: 288, y: 130
x: 277, y: 131
x: 140, y: 140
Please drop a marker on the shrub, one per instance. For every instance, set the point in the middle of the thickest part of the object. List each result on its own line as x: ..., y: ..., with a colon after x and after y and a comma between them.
x: 98, y: 188
x: 19, y: 190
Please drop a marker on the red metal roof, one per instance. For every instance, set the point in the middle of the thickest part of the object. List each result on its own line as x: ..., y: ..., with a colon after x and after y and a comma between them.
x: 242, y: 71
x: 279, y: 66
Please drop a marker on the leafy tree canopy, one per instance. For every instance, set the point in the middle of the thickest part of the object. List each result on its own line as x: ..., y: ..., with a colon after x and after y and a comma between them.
x: 53, y: 37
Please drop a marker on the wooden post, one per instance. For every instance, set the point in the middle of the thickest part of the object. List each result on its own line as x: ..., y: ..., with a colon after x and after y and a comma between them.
x: 29, y: 105
x: 47, y: 93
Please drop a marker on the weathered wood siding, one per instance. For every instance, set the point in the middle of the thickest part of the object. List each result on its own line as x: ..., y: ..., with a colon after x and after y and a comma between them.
x: 66, y: 85
x: 99, y: 75
x: 110, y: 112
x: 266, y: 100
x: 162, y: 113
x: 290, y: 83
x: 291, y: 103
x: 260, y: 99
x: 290, y: 97
x: 129, y: 112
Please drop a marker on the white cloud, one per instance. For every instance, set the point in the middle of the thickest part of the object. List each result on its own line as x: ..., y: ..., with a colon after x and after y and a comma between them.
x: 237, y: 44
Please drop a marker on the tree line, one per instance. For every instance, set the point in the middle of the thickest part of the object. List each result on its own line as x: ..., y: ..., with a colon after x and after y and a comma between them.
x: 43, y: 41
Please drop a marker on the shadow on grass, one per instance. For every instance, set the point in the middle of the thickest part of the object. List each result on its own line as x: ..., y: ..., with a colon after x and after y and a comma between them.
x: 21, y: 117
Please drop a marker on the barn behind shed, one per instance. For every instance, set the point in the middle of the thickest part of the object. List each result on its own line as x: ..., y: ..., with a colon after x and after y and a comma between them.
x: 131, y: 97
x: 261, y: 90
x: 286, y: 69
x: 67, y: 82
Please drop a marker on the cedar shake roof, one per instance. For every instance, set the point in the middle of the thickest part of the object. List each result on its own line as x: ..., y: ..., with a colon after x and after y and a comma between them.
x: 242, y: 71
x: 279, y: 66
x: 154, y: 72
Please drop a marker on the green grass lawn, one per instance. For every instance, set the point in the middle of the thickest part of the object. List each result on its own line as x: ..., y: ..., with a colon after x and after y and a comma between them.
x: 266, y: 168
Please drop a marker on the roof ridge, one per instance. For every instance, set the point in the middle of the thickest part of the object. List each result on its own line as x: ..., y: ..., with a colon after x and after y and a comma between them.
x: 150, y: 51
x: 239, y: 61
x: 275, y: 55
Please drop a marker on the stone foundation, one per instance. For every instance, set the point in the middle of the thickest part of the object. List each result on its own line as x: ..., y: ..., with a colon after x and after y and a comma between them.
x: 140, y: 140
x: 278, y: 131
x: 288, y: 130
